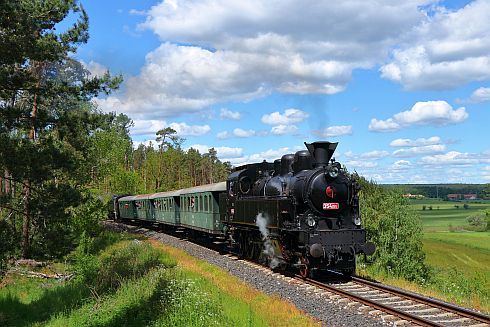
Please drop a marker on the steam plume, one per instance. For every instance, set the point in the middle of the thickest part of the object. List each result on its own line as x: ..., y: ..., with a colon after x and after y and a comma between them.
x: 261, y: 222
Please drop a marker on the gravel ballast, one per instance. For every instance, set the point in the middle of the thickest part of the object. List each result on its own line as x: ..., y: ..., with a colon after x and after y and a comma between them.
x: 331, y: 310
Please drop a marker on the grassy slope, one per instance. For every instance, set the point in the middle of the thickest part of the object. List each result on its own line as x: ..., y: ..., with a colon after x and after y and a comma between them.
x: 462, y: 255
x: 192, y: 294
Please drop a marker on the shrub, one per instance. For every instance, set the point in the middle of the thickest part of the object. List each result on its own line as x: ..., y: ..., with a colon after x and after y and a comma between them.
x: 396, y: 230
x: 128, y: 260
x: 477, y: 219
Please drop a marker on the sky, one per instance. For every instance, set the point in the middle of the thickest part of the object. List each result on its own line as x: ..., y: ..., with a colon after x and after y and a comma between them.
x: 402, y: 86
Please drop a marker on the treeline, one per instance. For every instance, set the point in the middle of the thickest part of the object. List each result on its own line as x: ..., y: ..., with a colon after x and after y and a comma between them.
x: 441, y: 190
x: 147, y: 169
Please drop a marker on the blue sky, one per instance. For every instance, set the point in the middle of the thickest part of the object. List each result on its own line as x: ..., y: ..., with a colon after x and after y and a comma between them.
x: 404, y: 89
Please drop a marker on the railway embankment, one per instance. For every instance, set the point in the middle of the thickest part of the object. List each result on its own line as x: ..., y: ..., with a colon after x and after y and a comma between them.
x: 329, y: 310
x: 122, y: 279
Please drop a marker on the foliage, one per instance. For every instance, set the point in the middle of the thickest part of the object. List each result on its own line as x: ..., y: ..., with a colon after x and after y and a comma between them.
x: 47, y: 122
x: 395, y: 229
x: 173, y: 168
x: 487, y: 220
x: 477, y: 219
x: 159, y: 296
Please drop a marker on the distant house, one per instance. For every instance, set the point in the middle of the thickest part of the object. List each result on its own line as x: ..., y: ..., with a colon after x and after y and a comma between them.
x: 454, y: 197
x: 470, y: 197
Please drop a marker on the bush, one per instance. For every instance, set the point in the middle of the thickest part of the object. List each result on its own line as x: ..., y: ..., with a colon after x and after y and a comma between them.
x: 396, y: 230
x: 123, y: 261
x: 477, y: 219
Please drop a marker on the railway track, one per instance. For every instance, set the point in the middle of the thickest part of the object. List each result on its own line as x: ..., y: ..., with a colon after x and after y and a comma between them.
x: 411, y: 307
x: 396, y: 305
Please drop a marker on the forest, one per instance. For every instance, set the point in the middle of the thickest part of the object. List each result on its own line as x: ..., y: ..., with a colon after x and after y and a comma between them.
x: 61, y: 158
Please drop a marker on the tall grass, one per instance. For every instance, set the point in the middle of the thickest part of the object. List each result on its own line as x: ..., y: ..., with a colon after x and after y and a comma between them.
x: 131, y: 282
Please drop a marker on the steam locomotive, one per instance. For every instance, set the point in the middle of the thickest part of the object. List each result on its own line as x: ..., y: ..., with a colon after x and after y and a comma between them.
x: 300, y: 212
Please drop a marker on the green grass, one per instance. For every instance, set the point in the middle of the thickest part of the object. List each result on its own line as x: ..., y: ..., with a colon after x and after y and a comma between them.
x: 123, y: 281
x: 444, y: 213
x: 458, y: 255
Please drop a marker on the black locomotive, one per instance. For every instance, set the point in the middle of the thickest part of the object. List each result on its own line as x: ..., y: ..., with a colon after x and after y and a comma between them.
x: 309, y: 206
x: 302, y: 211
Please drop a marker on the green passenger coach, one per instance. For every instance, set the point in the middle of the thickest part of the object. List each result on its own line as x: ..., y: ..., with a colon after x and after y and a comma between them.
x: 199, y: 207
x: 144, y: 208
x: 127, y: 209
x: 166, y: 206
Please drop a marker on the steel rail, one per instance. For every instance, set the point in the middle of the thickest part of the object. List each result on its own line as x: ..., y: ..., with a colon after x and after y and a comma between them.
x: 399, y: 313
x: 425, y: 300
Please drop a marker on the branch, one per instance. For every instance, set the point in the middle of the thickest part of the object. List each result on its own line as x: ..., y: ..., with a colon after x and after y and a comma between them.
x: 12, y: 209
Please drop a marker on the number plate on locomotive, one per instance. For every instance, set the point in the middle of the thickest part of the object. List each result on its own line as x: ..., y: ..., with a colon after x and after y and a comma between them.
x: 330, y: 206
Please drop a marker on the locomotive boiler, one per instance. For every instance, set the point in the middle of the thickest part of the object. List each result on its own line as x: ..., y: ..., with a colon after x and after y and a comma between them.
x: 300, y: 211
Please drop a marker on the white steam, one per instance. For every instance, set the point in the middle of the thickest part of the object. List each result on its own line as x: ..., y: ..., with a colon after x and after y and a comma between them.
x: 261, y: 221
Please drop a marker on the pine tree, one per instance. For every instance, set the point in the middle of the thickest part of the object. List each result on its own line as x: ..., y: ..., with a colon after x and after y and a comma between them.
x: 46, y: 118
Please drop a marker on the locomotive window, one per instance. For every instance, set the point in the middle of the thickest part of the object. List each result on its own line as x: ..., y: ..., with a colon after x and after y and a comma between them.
x: 245, y: 184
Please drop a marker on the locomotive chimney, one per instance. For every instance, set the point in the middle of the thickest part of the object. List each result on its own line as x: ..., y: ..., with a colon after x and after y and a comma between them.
x: 321, y: 152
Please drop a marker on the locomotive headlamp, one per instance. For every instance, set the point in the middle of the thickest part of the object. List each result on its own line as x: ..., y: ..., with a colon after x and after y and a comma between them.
x: 310, y: 221
x: 333, y: 171
x: 357, y: 220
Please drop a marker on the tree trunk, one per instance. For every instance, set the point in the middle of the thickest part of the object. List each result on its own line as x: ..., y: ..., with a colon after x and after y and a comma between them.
x: 27, y: 220
x: 26, y: 225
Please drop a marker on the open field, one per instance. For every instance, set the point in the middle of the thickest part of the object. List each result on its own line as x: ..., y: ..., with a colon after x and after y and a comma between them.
x: 459, y: 255
x: 445, y: 213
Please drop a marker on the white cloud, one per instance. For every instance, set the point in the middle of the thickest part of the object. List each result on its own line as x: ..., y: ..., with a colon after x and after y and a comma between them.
x: 223, y: 135
x: 457, y: 158
x: 290, y: 116
x: 183, y: 129
x: 420, y: 150
x: 418, y: 142
x: 334, y: 131
x: 383, y: 125
x: 480, y: 95
x: 228, y: 114
x: 95, y: 68
x: 238, y: 132
x: 222, y: 151
x: 401, y: 165
x: 146, y: 127
x: 255, y: 51
x: 435, y: 113
x: 375, y: 154
x: 284, y: 129
x: 137, y: 12
x: 269, y: 155
x: 360, y: 164
x: 448, y: 49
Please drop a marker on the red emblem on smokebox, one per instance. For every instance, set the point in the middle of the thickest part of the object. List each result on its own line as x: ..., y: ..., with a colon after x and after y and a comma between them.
x: 330, y: 192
